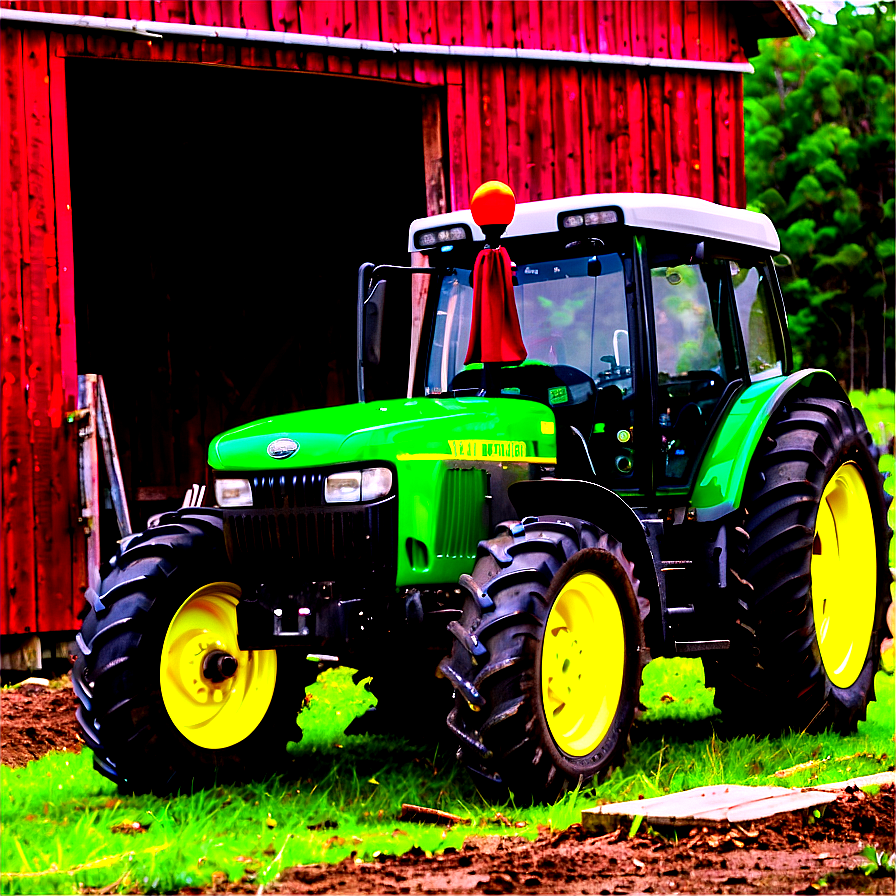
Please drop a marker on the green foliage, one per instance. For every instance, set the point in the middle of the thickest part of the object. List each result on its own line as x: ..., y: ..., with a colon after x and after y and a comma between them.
x: 66, y: 828
x: 879, y: 864
x: 819, y: 146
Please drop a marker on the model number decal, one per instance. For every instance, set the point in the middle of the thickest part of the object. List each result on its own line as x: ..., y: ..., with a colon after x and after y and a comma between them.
x: 480, y: 449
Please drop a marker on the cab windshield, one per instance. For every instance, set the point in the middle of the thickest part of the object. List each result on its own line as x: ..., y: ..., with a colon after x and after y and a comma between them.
x: 572, y: 312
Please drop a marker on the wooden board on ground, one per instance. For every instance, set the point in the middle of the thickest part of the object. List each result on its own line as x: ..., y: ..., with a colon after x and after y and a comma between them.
x: 720, y: 803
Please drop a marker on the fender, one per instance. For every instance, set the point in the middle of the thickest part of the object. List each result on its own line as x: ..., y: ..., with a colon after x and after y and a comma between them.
x: 583, y: 500
x: 723, y: 471
x: 596, y: 504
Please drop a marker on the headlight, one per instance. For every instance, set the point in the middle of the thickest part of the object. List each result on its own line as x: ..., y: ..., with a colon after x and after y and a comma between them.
x: 233, y: 493
x: 354, y: 486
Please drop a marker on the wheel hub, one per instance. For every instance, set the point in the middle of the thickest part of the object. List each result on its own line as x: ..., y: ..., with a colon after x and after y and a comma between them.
x: 219, y: 665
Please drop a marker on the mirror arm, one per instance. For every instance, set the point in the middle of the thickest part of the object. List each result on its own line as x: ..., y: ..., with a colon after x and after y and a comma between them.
x: 364, y: 278
x: 375, y: 274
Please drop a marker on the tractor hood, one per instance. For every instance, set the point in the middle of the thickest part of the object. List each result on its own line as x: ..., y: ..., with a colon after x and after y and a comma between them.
x: 484, y: 429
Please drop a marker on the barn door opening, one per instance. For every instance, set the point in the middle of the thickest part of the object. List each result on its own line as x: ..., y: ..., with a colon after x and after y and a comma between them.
x: 220, y: 216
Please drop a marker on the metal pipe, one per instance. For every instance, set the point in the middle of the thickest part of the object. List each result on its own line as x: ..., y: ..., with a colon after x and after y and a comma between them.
x: 144, y: 28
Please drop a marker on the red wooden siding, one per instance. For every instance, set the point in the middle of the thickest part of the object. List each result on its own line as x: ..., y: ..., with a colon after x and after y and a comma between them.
x: 38, y: 373
x: 548, y: 128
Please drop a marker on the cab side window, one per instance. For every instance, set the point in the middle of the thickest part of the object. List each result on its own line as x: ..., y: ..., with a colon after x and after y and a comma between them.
x: 758, y: 320
x: 696, y: 353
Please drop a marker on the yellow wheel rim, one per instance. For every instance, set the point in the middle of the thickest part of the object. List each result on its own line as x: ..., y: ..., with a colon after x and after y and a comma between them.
x: 844, y: 575
x: 211, y: 713
x: 582, y: 664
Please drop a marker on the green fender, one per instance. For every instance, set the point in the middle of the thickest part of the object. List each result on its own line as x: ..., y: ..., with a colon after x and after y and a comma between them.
x: 720, y: 482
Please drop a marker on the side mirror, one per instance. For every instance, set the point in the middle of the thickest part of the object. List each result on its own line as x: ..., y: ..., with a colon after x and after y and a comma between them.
x: 374, y: 306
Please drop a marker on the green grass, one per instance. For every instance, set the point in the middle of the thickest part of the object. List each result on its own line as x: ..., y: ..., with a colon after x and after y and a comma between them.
x: 345, y: 794
x: 878, y: 407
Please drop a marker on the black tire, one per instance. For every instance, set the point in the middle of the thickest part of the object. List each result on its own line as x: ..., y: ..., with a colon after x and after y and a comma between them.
x: 495, y: 664
x: 122, y: 713
x: 775, y: 677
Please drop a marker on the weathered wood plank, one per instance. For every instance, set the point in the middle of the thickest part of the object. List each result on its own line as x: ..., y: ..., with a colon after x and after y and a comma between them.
x: 208, y: 12
x: 657, y: 136
x: 64, y: 241
x: 459, y: 181
x: 419, y: 290
x: 40, y: 308
x: 704, y: 162
x: 550, y: 25
x: 19, y: 612
x: 530, y: 133
x: 433, y: 153
x: 516, y: 170
x: 878, y: 780
x: 738, y: 160
x: 230, y: 13
x: 720, y: 803
x: 493, y: 122
x: 472, y: 124
x: 543, y: 149
x: 448, y: 22
x: 790, y: 802
x: 521, y: 29
x: 722, y: 115
x: 424, y: 29
x: 367, y: 24
x: 567, y: 108
x: 66, y: 508
x: 591, y: 129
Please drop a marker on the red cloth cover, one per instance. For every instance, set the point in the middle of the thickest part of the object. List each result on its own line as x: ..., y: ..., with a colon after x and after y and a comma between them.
x: 495, y: 329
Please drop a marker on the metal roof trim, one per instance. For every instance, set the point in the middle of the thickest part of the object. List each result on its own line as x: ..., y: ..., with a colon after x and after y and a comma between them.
x: 147, y: 29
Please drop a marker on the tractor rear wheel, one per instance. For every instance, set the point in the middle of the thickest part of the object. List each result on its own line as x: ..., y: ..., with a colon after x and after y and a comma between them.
x: 815, y: 576
x: 167, y: 696
x: 547, y: 658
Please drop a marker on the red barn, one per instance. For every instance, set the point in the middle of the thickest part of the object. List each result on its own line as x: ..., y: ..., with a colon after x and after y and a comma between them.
x: 188, y: 187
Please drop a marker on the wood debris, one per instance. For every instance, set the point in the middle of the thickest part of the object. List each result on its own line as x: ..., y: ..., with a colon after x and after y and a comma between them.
x: 425, y: 815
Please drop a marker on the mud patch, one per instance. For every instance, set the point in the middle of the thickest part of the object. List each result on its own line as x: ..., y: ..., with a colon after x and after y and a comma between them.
x: 35, y: 720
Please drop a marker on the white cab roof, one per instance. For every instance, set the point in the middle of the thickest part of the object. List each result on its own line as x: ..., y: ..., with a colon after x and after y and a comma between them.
x: 654, y: 211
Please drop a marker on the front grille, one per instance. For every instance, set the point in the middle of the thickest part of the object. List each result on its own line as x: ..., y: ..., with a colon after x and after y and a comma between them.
x: 462, y: 514
x: 294, y: 488
x: 315, y: 543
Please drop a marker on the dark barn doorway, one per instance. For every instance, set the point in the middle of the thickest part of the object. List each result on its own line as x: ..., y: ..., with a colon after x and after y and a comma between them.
x: 220, y: 216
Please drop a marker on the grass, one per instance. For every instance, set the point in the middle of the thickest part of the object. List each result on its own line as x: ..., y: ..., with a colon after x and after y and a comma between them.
x: 64, y: 826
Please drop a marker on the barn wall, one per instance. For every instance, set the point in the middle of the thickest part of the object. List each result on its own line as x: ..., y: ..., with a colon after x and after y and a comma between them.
x: 40, y: 555
x: 547, y: 129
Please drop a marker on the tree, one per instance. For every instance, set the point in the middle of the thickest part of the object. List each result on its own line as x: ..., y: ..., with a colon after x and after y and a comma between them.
x: 820, y: 147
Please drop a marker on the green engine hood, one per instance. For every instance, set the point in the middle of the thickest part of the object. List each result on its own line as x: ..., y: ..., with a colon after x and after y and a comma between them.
x: 485, y: 429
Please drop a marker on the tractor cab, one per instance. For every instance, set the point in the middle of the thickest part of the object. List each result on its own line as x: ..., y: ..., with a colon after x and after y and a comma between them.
x: 640, y: 318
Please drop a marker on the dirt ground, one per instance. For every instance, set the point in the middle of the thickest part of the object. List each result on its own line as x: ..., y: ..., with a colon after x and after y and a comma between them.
x: 35, y: 720
x: 794, y: 853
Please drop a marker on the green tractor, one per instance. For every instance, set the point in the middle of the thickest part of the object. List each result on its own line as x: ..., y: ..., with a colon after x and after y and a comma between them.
x: 606, y: 457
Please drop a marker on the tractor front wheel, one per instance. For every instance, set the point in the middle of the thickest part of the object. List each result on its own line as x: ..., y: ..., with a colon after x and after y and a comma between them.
x: 167, y: 697
x: 547, y: 659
